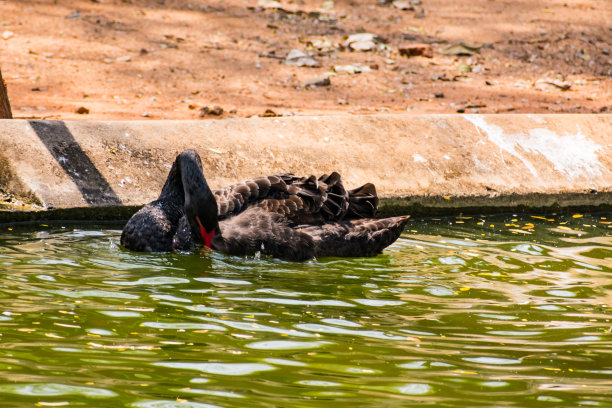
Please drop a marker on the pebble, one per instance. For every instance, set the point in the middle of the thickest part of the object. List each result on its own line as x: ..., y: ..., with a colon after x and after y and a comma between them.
x: 318, y: 81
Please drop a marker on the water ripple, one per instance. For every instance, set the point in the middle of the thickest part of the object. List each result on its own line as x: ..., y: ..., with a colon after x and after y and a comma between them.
x: 460, y: 311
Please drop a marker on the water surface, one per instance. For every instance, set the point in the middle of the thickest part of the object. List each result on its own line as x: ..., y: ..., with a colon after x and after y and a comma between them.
x: 499, y: 311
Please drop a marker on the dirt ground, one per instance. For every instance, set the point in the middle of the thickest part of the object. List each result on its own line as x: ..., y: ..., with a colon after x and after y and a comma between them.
x: 189, y: 59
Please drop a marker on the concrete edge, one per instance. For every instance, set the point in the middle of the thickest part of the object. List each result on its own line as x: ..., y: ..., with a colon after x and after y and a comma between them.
x: 428, y: 165
x: 388, y: 207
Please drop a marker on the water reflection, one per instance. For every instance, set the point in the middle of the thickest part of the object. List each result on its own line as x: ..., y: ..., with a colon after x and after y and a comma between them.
x: 459, y: 312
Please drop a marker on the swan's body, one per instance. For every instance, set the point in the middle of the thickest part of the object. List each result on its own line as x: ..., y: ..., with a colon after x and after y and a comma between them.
x: 289, y: 217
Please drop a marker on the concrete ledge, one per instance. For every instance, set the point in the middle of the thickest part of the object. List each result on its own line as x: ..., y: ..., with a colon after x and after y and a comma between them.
x: 433, y: 164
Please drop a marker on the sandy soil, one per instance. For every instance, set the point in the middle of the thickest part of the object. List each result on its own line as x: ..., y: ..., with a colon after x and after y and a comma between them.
x: 186, y: 59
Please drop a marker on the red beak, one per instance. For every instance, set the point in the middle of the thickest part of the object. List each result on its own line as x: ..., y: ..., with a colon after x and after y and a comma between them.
x: 206, y: 236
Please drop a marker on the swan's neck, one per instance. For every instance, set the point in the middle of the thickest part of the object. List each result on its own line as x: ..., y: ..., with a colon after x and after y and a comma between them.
x: 200, y: 204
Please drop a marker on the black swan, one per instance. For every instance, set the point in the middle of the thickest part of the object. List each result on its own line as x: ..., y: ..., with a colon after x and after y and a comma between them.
x: 288, y: 217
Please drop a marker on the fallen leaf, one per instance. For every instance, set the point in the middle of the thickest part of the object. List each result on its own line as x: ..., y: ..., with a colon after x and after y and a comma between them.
x: 412, y: 50
x: 322, y: 44
x: 328, y: 4
x: 73, y: 15
x: 466, y: 48
x: 269, y: 113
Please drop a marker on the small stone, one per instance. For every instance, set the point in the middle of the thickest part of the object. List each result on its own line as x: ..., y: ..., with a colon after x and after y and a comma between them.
x: 301, y: 59
x: 361, y: 42
x: 7, y: 34
x: 403, y: 5
x: 351, y: 69
x: 214, y: 111
x: 552, y: 84
x: 269, y: 113
x: 125, y: 58
x: 82, y: 110
x: 318, y: 81
x: 439, y: 95
x: 417, y: 50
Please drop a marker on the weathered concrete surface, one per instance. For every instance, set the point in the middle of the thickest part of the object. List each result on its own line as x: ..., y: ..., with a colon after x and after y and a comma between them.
x: 421, y: 164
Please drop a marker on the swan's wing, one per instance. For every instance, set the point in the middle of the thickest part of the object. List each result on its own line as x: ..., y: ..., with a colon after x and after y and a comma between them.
x: 358, y: 237
x: 236, y: 198
x: 258, y: 231
x: 301, y: 200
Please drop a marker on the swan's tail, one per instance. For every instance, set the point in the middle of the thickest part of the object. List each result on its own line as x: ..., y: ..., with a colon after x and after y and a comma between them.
x: 363, y: 202
x: 360, y: 237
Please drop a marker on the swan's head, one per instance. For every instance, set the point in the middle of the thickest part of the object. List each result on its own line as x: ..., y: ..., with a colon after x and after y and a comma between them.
x: 200, y: 203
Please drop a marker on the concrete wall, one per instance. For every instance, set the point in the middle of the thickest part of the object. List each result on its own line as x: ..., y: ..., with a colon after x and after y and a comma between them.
x: 429, y: 164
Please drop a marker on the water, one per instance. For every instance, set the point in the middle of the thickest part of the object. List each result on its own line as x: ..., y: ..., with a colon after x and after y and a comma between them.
x: 490, y: 311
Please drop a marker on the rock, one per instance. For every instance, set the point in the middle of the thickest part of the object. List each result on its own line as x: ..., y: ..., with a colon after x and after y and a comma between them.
x: 420, y: 50
x: 7, y: 34
x: 269, y: 4
x: 403, y: 5
x: 351, y: 69
x: 82, y: 110
x: 301, y: 59
x: 552, y: 84
x: 361, y: 42
x: 318, y: 81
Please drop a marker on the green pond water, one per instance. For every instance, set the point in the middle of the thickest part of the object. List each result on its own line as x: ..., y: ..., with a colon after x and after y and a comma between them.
x: 496, y: 311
